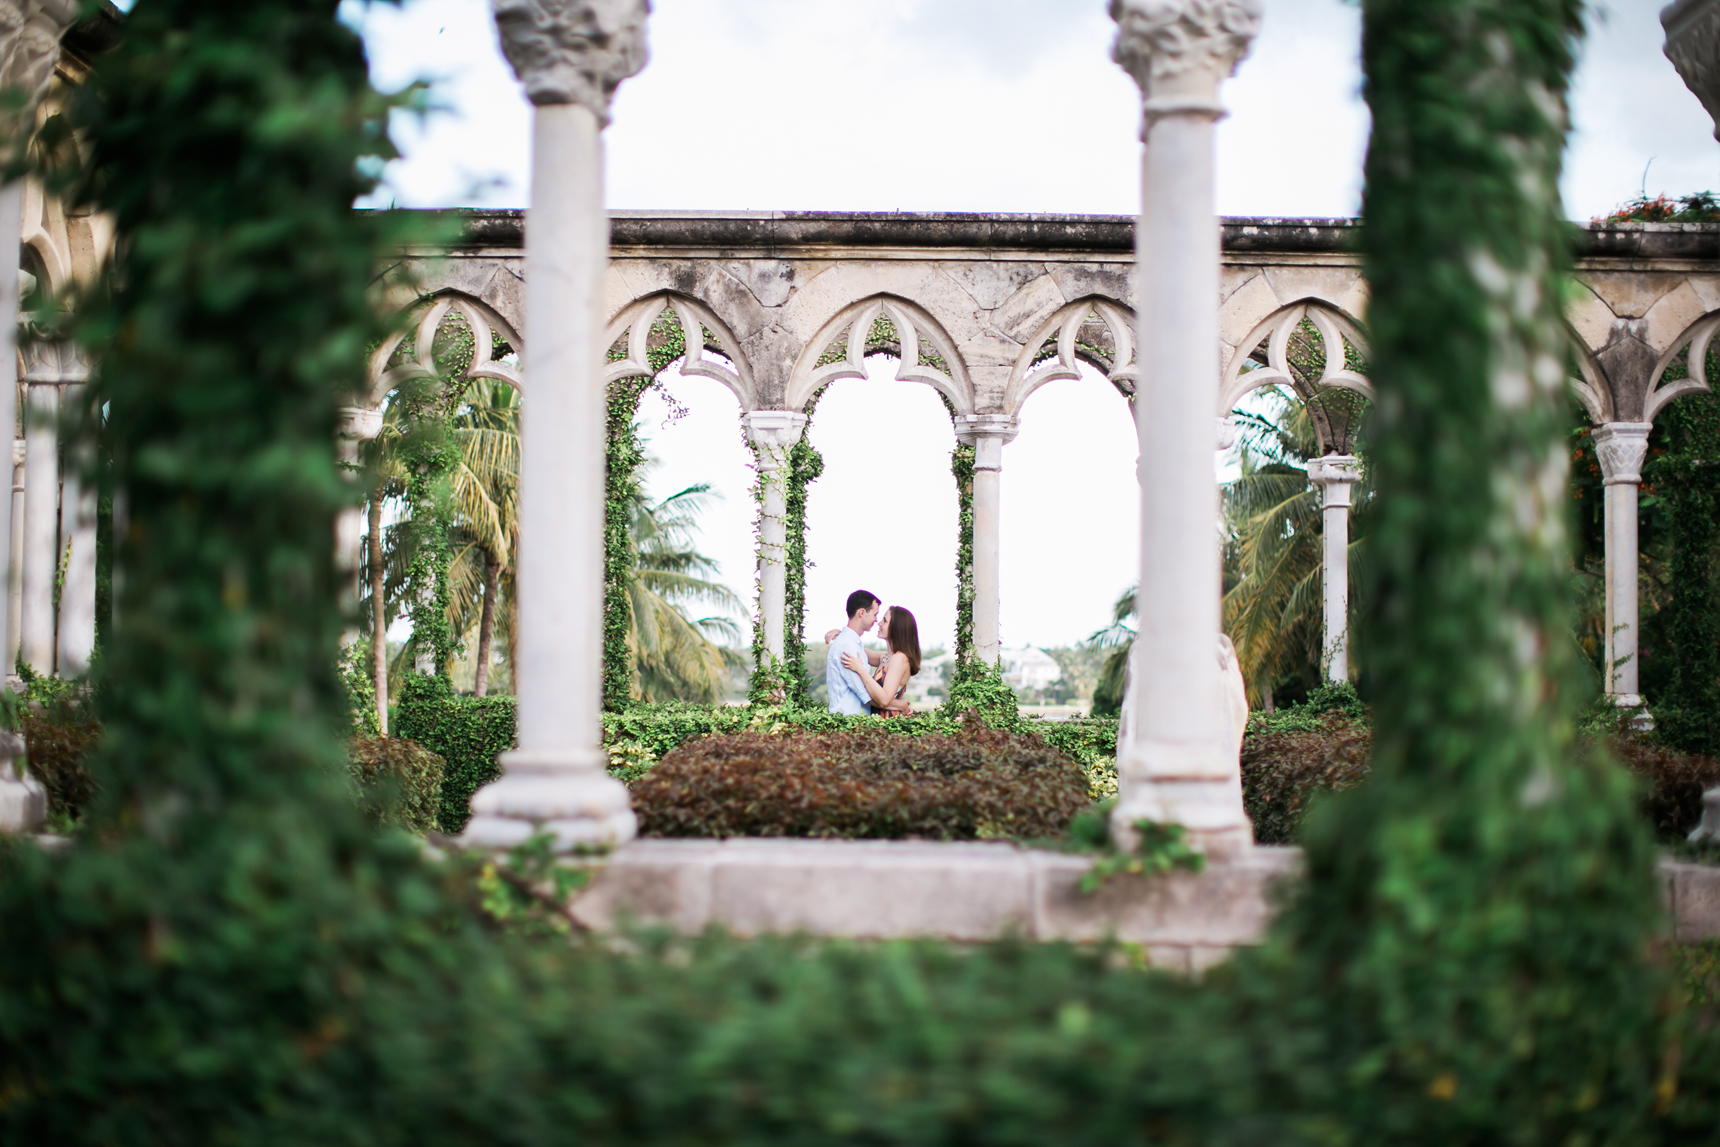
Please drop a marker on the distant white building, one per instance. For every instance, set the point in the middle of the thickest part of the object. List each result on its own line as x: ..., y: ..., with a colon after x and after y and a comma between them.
x: 1030, y: 668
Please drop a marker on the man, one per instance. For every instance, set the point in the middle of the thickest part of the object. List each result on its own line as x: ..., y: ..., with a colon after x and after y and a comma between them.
x: 846, y: 688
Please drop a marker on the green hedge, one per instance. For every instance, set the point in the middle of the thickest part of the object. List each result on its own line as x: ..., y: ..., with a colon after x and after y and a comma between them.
x: 397, y: 782
x: 468, y: 733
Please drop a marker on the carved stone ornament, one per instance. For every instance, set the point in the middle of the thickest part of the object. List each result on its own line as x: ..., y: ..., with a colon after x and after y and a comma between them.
x: 1179, y: 50
x: 573, y: 51
x: 53, y: 362
x: 30, y: 32
x: 1620, y: 448
x: 1693, y: 46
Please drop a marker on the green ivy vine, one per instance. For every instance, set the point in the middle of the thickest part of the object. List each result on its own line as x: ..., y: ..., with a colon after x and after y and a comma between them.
x: 624, y: 451
x: 805, y: 464
x: 961, y: 466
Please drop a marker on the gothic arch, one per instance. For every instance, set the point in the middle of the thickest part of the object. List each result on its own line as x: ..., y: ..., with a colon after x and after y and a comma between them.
x: 1693, y: 345
x: 700, y: 328
x: 1589, y: 384
x: 928, y: 354
x: 380, y: 378
x: 1065, y: 328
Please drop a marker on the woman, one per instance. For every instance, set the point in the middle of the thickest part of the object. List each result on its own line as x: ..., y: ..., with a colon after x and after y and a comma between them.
x: 900, y: 661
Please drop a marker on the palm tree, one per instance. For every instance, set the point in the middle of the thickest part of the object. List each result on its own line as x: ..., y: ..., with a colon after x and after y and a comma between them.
x: 486, y: 511
x: 1272, y: 516
x: 674, y: 656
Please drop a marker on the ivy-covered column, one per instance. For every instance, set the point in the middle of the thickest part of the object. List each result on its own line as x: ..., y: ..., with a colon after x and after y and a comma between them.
x: 1336, y: 475
x: 1181, y: 766
x: 570, y: 55
x: 48, y: 366
x: 1620, y: 447
x: 987, y: 434
x: 772, y: 434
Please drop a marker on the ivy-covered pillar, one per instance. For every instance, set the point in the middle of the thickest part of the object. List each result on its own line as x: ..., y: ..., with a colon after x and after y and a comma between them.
x: 1620, y: 447
x: 570, y: 57
x: 48, y: 366
x: 987, y: 434
x: 772, y: 434
x: 1336, y: 475
x: 1181, y: 763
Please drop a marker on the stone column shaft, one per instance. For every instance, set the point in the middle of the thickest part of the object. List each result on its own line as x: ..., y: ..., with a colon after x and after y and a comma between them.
x: 15, y: 559
x: 570, y: 55
x: 41, y: 523
x: 772, y: 435
x: 77, y: 617
x: 1181, y: 765
x: 1336, y: 475
x: 987, y: 434
x: 1620, y: 447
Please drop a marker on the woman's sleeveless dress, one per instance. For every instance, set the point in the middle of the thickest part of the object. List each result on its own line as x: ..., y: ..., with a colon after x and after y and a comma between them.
x: 883, y: 668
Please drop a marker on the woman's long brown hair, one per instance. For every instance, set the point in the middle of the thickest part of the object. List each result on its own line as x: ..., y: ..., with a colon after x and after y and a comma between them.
x: 905, y: 637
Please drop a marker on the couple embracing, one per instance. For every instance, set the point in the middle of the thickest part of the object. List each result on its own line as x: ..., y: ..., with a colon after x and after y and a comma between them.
x: 861, y: 682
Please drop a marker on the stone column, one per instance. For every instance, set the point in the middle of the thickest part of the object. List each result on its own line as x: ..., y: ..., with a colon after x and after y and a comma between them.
x: 357, y: 425
x: 1621, y: 447
x: 77, y: 622
x: 570, y: 55
x: 1181, y: 766
x: 987, y: 434
x: 1336, y: 475
x: 41, y: 522
x: 772, y: 434
x: 14, y: 560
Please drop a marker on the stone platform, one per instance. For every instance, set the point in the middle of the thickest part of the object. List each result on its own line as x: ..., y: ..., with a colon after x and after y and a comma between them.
x: 955, y: 891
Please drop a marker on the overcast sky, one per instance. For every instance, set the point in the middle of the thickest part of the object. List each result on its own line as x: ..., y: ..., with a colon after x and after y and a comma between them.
x: 963, y: 105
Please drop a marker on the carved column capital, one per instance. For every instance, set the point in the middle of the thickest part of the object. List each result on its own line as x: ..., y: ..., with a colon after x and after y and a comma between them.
x: 1693, y: 46
x: 30, y: 32
x: 773, y: 433
x: 573, y: 51
x: 55, y: 362
x: 1178, y: 51
x: 987, y: 434
x: 1337, y: 475
x: 1621, y: 447
x: 359, y: 423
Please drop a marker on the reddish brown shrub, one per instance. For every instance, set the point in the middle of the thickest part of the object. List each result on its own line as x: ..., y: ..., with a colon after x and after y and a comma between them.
x: 1281, y: 772
x: 862, y: 785
x: 1673, y: 784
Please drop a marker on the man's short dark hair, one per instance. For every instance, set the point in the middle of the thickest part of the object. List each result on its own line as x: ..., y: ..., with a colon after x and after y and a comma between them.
x: 861, y: 599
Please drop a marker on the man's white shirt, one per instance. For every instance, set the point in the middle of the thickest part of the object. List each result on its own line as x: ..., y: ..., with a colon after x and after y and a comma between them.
x: 846, y: 688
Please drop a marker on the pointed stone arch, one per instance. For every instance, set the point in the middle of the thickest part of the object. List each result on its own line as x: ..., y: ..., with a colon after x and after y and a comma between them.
x: 702, y: 330
x: 926, y: 353
x: 1691, y: 345
x: 1095, y: 316
x: 380, y: 378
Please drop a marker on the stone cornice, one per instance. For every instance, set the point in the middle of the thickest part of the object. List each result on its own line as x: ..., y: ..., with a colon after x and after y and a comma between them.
x: 1105, y: 237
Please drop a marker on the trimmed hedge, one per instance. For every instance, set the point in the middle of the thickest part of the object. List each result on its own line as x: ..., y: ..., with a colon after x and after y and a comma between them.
x: 981, y: 783
x: 398, y: 782
x: 468, y: 733
x: 1282, y: 771
x: 57, y: 740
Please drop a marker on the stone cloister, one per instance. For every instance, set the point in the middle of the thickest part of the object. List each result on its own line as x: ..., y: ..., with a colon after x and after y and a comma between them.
x: 1185, y: 315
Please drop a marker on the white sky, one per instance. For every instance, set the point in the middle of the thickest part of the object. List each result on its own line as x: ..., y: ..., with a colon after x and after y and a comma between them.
x: 962, y: 105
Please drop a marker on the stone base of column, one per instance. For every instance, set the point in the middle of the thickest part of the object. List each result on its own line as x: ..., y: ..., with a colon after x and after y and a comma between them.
x: 566, y: 793
x: 1205, y: 799
x: 1643, y: 722
x: 23, y: 803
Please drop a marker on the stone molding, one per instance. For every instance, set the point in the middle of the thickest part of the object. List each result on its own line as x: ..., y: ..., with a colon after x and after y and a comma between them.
x: 1693, y: 46
x: 1178, y: 51
x: 1337, y: 475
x: 1620, y: 448
x: 57, y: 362
x: 573, y: 51
x: 359, y: 423
x: 987, y: 434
